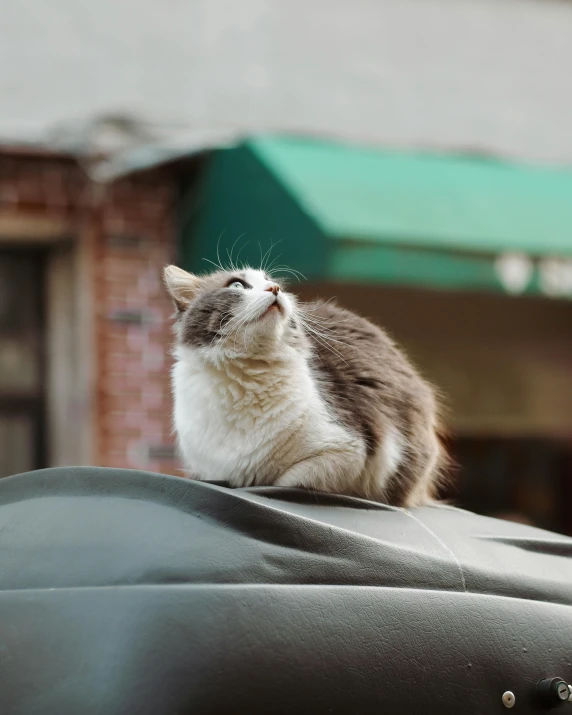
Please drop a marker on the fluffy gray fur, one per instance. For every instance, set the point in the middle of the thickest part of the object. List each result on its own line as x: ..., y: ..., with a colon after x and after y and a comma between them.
x: 271, y: 391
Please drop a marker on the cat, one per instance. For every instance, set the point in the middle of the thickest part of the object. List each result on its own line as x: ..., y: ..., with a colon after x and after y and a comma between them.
x: 269, y: 391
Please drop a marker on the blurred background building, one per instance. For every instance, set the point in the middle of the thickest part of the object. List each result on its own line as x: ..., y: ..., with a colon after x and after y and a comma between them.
x: 412, y: 158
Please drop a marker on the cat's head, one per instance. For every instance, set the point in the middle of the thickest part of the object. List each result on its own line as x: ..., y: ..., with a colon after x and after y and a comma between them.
x: 232, y: 313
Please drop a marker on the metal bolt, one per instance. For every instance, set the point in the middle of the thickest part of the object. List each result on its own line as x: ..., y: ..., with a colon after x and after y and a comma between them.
x: 508, y: 699
x: 563, y: 691
x: 570, y: 696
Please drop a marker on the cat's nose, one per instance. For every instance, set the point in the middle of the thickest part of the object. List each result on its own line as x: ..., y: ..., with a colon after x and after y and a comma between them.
x: 273, y: 288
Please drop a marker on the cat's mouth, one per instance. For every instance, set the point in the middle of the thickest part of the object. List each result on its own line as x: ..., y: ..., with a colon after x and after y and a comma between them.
x: 272, y: 308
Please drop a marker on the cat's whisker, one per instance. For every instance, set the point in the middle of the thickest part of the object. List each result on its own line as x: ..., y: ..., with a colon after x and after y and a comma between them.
x: 315, y: 319
x: 269, y: 268
x: 233, y: 265
x: 229, y: 328
x: 286, y: 269
x: 244, y: 245
x: 244, y: 322
x: 317, y: 308
x: 325, y: 322
x: 324, y: 341
x: 247, y: 315
x: 266, y: 257
x: 243, y: 314
x: 217, y: 334
x: 217, y: 251
x: 272, y: 247
x: 306, y: 309
x: 322, y: 329
x: 241, y: 319
x: 316, y: 325
x: 328, y: 332
x: 216, y: 265
x: 326, y: 345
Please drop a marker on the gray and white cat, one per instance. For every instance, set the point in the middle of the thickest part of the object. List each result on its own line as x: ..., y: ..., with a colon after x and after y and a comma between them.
x: 271, y: 391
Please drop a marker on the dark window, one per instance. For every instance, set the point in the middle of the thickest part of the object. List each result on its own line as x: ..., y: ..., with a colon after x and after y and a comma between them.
x: 22, y: 444
x: 524, y: 479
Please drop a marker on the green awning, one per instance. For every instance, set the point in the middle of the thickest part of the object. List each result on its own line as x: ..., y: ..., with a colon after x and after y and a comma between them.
x: 352, y: 214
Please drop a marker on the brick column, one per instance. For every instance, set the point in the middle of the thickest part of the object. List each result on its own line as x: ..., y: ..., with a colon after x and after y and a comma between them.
x: 137, y: 238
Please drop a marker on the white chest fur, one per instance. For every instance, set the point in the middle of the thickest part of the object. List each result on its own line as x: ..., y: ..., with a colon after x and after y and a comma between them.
x: 248, y: 421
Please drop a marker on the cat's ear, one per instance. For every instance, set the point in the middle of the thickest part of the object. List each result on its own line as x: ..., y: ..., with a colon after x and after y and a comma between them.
x: 182, y: 286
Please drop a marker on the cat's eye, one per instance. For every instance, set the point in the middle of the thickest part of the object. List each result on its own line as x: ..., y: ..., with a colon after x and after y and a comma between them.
x: 236, y: 284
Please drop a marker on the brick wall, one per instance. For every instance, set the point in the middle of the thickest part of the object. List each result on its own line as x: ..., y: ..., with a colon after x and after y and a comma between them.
x: 40, y: 188
x: 135, y: 241
x: 130, y: 228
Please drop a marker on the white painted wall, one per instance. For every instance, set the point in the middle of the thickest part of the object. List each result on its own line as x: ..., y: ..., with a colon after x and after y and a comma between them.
x: 485, y: 75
